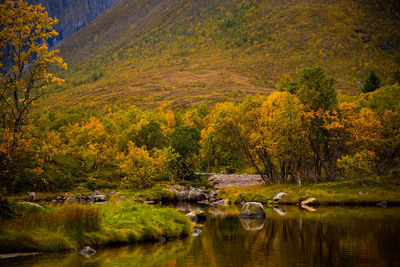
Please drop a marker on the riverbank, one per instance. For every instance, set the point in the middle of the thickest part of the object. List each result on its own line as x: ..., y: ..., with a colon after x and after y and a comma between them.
x: 71, y: 227
x: 346, y: 192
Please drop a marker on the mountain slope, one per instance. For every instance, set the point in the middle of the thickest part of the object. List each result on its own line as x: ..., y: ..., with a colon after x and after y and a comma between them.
x: 175, y: 53
x: 73, y: 14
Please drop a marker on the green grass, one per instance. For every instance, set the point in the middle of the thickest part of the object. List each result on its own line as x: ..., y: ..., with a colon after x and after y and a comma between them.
x: 72, y: 227
x: 329, y: 193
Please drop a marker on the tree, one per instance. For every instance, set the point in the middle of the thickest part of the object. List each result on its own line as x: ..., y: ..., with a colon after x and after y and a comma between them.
x: 371, y: 83
x: 24, y: 75
x: 185, y: 141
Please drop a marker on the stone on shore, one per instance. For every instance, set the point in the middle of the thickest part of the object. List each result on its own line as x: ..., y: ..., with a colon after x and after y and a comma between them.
x: 87, y: 252
x: 196, y: 216
x: 310, y: 202
x: 279, y: 196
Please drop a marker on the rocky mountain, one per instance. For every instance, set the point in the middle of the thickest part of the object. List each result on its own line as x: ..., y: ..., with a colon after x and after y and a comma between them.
x: 73, y: 14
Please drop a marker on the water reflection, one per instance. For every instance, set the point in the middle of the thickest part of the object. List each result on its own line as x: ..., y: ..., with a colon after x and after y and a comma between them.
x: 326, y: 237
x: 252, y: 224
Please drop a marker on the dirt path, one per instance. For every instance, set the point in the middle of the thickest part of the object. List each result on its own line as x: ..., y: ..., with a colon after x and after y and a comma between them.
x: 228, y: 180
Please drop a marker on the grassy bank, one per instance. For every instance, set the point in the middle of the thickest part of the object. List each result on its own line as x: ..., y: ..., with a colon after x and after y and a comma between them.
x: 351, y: 192
x: 71, y: 227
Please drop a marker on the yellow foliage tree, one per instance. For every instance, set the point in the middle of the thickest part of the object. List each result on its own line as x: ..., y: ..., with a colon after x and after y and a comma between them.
x: 24, y: 75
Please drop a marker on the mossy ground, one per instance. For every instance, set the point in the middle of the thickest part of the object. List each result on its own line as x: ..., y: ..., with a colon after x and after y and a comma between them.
x: 70, y: 227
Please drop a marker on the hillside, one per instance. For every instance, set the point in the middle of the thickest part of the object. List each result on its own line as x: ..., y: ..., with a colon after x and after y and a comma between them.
x: 73, y: 15
x: 178, y: 52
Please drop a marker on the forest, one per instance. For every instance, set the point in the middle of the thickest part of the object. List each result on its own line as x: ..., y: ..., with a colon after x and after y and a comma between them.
x: 304, y: 132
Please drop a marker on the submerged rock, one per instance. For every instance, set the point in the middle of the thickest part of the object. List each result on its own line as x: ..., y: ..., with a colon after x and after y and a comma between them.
x: 196, y: 216
x: 252, y: 210
x: 279, y: 196
x: 100, y: 198
x: 382, y: 204
x: 70, y: 200
x: 33, y: 196
x: 222, y: 202
x: 197, y: 232
x: 87, y: 252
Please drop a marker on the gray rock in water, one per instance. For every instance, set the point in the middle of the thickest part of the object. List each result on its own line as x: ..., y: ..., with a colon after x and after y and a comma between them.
x: 279, y: 196
x: 163, y: 239
x: 196, y: 216
x: 182, y: 195
x: 252, y: 210
x: 71, y: 200
x: 197, y: 232
x: 87, y: 252
x: 101, y: 198
x: 33, y: 196
x: 196, y: 194
x: 382, y: 204
x: 222, y: 202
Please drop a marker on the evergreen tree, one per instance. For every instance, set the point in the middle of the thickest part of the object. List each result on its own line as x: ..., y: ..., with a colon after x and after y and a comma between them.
x: 371, y: 83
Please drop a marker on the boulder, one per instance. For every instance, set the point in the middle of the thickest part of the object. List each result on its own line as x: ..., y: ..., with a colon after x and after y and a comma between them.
x: 70, y: 200
x: 100, y: 198
x: 252, y: 210
x: 279, y: 196
x: 149, y: 202
x: 33, y: 196
x: 310, y: 202
x: 252, y: 224
x: 96, y: 192
x: 196, y: 216
x: 196, y: 194
x: 382, y: 204
x: 222, y: 202
x: 182, y: 195
x: 87, y: 252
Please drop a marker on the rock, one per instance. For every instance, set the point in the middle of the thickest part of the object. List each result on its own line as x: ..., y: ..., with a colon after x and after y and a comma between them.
x: 252, y: 210
x: 196, y: 216
x: 182, y: 195
x: 112, y: 192
x: 382, y: 204
x: 101, y: 198
x: 96, y: 192
x: 70, y: 200
x: 362, y: 193
x: 197, y: 232
x: 33, y: 196
x: 279, y: 211
x: 149, y: 202
x: 31, y: 204
x: 279, y: 196
x: 222, y: 202
x: 196, y: 194
x: 60, y: 198
x: 310, y: 202
x: 252, y: 224
x: 178, y: 187
x: 163, y: 239
x: 204, y: 202
x: 87, y: 252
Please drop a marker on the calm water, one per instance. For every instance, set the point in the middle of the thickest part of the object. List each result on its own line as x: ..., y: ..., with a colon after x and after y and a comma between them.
x: 325, y: 237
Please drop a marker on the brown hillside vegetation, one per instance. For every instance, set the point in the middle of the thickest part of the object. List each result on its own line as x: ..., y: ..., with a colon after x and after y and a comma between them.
x: 174, y: 53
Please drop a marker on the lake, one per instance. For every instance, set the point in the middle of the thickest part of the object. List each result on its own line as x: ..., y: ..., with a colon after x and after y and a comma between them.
x: 289, y: 236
